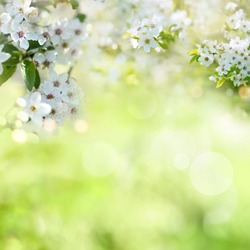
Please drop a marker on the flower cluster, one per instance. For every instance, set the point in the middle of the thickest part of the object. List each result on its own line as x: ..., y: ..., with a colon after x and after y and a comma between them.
x: 38, y: 46
x: 237, y: 23
x: 56, y: 100
x: 159, y: 30
x: 231, y: 58
x: 144, y: 33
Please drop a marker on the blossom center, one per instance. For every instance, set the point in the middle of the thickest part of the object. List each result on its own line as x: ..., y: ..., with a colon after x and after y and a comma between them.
x: 50, y: 96
x: 33, y: 108
x: 58, y: 32
x: 56, y: 84
x: 21, y: 34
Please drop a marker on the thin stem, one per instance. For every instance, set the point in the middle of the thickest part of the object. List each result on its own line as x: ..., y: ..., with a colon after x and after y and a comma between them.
x: 70, y: 72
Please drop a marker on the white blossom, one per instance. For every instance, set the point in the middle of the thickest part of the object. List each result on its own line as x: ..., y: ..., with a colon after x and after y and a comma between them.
x: 35, y: 108
x: 232, y: 57
x: 46, y: 59
x: 5, y: 19
x: 147, y: 42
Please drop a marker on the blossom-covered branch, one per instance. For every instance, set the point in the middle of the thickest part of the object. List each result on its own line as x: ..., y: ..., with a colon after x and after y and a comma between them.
x: 160, y: 27
x: 36, y: 46
x: 231, y: 58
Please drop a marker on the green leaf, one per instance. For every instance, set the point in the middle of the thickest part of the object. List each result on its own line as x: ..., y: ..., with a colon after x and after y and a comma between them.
x: 50, y: 48
x: 74, y: 4
x: 28, y: 70
x: 164, y: 39
x: 8, y: 72
x: 3, y: 38
x: 220, y: 83
x: 172, y: 26
x: 34, y: 45
x: 37, y: 80
x: 247, y: 78
x: 163, y: 45
x: 230, y: 74
x: 9, y: 48
x: 14, y: 52
x: 81, y: 17
x: 193, y: 52
x: 194, y: 58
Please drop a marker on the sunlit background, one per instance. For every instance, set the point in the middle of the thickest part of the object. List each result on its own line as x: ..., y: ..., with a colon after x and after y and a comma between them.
x: 159, y: 161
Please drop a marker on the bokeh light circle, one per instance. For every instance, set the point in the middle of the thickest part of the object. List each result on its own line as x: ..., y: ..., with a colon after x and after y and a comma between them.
x: 211, y: 173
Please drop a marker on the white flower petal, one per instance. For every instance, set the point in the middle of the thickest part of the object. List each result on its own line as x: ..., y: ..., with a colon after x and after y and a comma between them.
x: 35, y: 98
x: 44, y: 109
x: 4, y: 57
x: 42, y: 40
x: 24, y: 44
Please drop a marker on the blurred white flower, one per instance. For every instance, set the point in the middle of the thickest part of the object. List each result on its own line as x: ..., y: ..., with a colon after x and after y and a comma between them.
x: 35, y: 108
x: 231, y: 6
x: 147, y: 42
x: 206, y: 60
x: 5, y: 19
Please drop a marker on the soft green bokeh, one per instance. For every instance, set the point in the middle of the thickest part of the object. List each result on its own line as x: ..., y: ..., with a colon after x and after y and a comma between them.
x: 123, y: 179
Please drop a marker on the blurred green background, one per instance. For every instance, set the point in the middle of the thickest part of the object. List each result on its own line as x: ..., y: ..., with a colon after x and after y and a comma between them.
x: 160, y: 161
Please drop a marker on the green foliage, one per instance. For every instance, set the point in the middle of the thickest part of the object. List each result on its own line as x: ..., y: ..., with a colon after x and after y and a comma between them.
x: 37, y: 80
x: 81, y: 17
x: 8, y: 72
x: 195, y: 58
x: 29, y: 73
x: 34, y: 45
x: 195, y: 55
x: 220, y: 82
x: 50, y: 48
x: 3, y: 38
x: 167, y: 37
x: 14, y: 52
x: 9, y: 66
x: 74, y: 4
x: 28, y: 68
x: 247, y: 79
